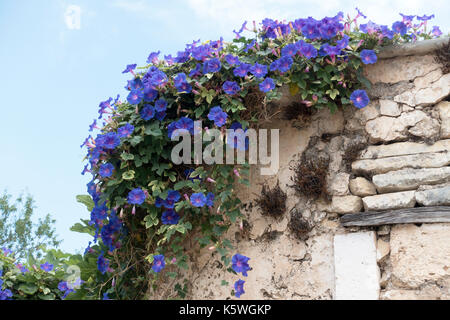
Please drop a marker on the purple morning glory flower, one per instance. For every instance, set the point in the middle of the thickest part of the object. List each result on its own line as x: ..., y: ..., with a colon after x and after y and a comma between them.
x: 173, y: 195
x: 136, y: 196
x: 217, y: 115
x: 102, y: 264
x: 108, y: 141
x: 310, y: 31
x: 47, y: 267
x: 425, y: 17
x: 93, y: 126
x: 106, y: 170
x: 274, y: 65
x: 242, y: 70
x: 399, y: 27
x: 289, y: 50
x: 267, y: 85
x: 158, y: 263
x: 198, y: 199
x: 231, y: 60
x: 185, y: 124
x: 153, y: 57
x: 308, y: 51
x: 239, y: 288
x: 5, y: 294
x: 135, y: 96
x: 160, y: 115
x: 170, y: 217
x: 331, y: 50
x: 436, y: 31
x: 231, y: 87
x: 160, y: 105
x: 210, y: 199
x: 258, y: 70
x: 360, y: 13
x: 130, y: 68
x: 180, y: 82
x: 62, y: 286
x: 406, y: 18
x: 284, y: 63
x: 150, y: 94
x: 240, y: 264
x: 327, y: 31
x: 147, y: 113
x: 157, y: 78
x: 197, y: 71
x: 368, y: 56
x: 343, y: 43
x: 125, y: 131
x: 211, y: 65
x: 105, y: 296
x: 359, y: 98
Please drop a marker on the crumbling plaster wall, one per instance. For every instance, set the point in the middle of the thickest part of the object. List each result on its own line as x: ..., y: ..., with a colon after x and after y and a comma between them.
x: 405, y: 134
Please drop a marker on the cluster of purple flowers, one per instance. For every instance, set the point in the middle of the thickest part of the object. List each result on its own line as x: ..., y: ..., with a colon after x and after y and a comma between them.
x: 181, y: 83
x: 173, y: 197
x: 211, y: 65
x: 170, y: 217
x: 5, y: 294
x: 322, y: 38
x: 231, y: 87
x: 102, y: 264
x: 326, y: 28
x: 283, y: 64
x: 125, y: 131
x: 106, y: 170
x: 239, y: 263
x: 47, y: 267
x: 217, y: 115
x: 200, y: 200
x: 183, y: 125
x: 63, y: 286
x: 136, y: 196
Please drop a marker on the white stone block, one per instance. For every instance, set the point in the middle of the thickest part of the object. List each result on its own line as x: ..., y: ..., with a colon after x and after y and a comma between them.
x: 357, y: 276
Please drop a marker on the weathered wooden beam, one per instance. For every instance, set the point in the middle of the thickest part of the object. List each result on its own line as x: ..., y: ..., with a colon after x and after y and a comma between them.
x: 407, y: 215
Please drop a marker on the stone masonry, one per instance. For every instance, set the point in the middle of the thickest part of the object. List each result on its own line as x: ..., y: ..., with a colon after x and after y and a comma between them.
x: 402, y: 161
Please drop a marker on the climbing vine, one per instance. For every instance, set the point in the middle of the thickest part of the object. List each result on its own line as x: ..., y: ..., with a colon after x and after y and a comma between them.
x: 144, y: 207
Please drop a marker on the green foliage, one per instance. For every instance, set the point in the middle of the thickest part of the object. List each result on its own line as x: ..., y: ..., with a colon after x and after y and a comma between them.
x: 19, y: 233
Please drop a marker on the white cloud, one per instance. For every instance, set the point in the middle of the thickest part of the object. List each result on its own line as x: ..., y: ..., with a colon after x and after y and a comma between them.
x: 72, y: 17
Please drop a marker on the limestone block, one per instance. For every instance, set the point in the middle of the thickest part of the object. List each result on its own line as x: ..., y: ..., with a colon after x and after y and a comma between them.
x: 362, y: 187
x: 339, y: 184
x: 355, y: 263
x: 346, y: 204
x: 386, y: 129
x: 404, y: 148
x: 383, y: 249
x: 444, y: 115
x: 383, y: 165
x: 434, y: 197
x: 420, y: 254
x: 400, y: 69
x: 387, y: 201
x: 432, y: 94
x: 408, y: 179
x: 389, y: 108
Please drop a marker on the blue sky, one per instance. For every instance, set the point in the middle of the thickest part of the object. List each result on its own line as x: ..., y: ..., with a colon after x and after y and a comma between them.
x: 55, y: 71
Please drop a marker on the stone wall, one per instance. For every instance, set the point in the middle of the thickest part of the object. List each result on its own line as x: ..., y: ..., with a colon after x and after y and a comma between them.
x: 392, y: 154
